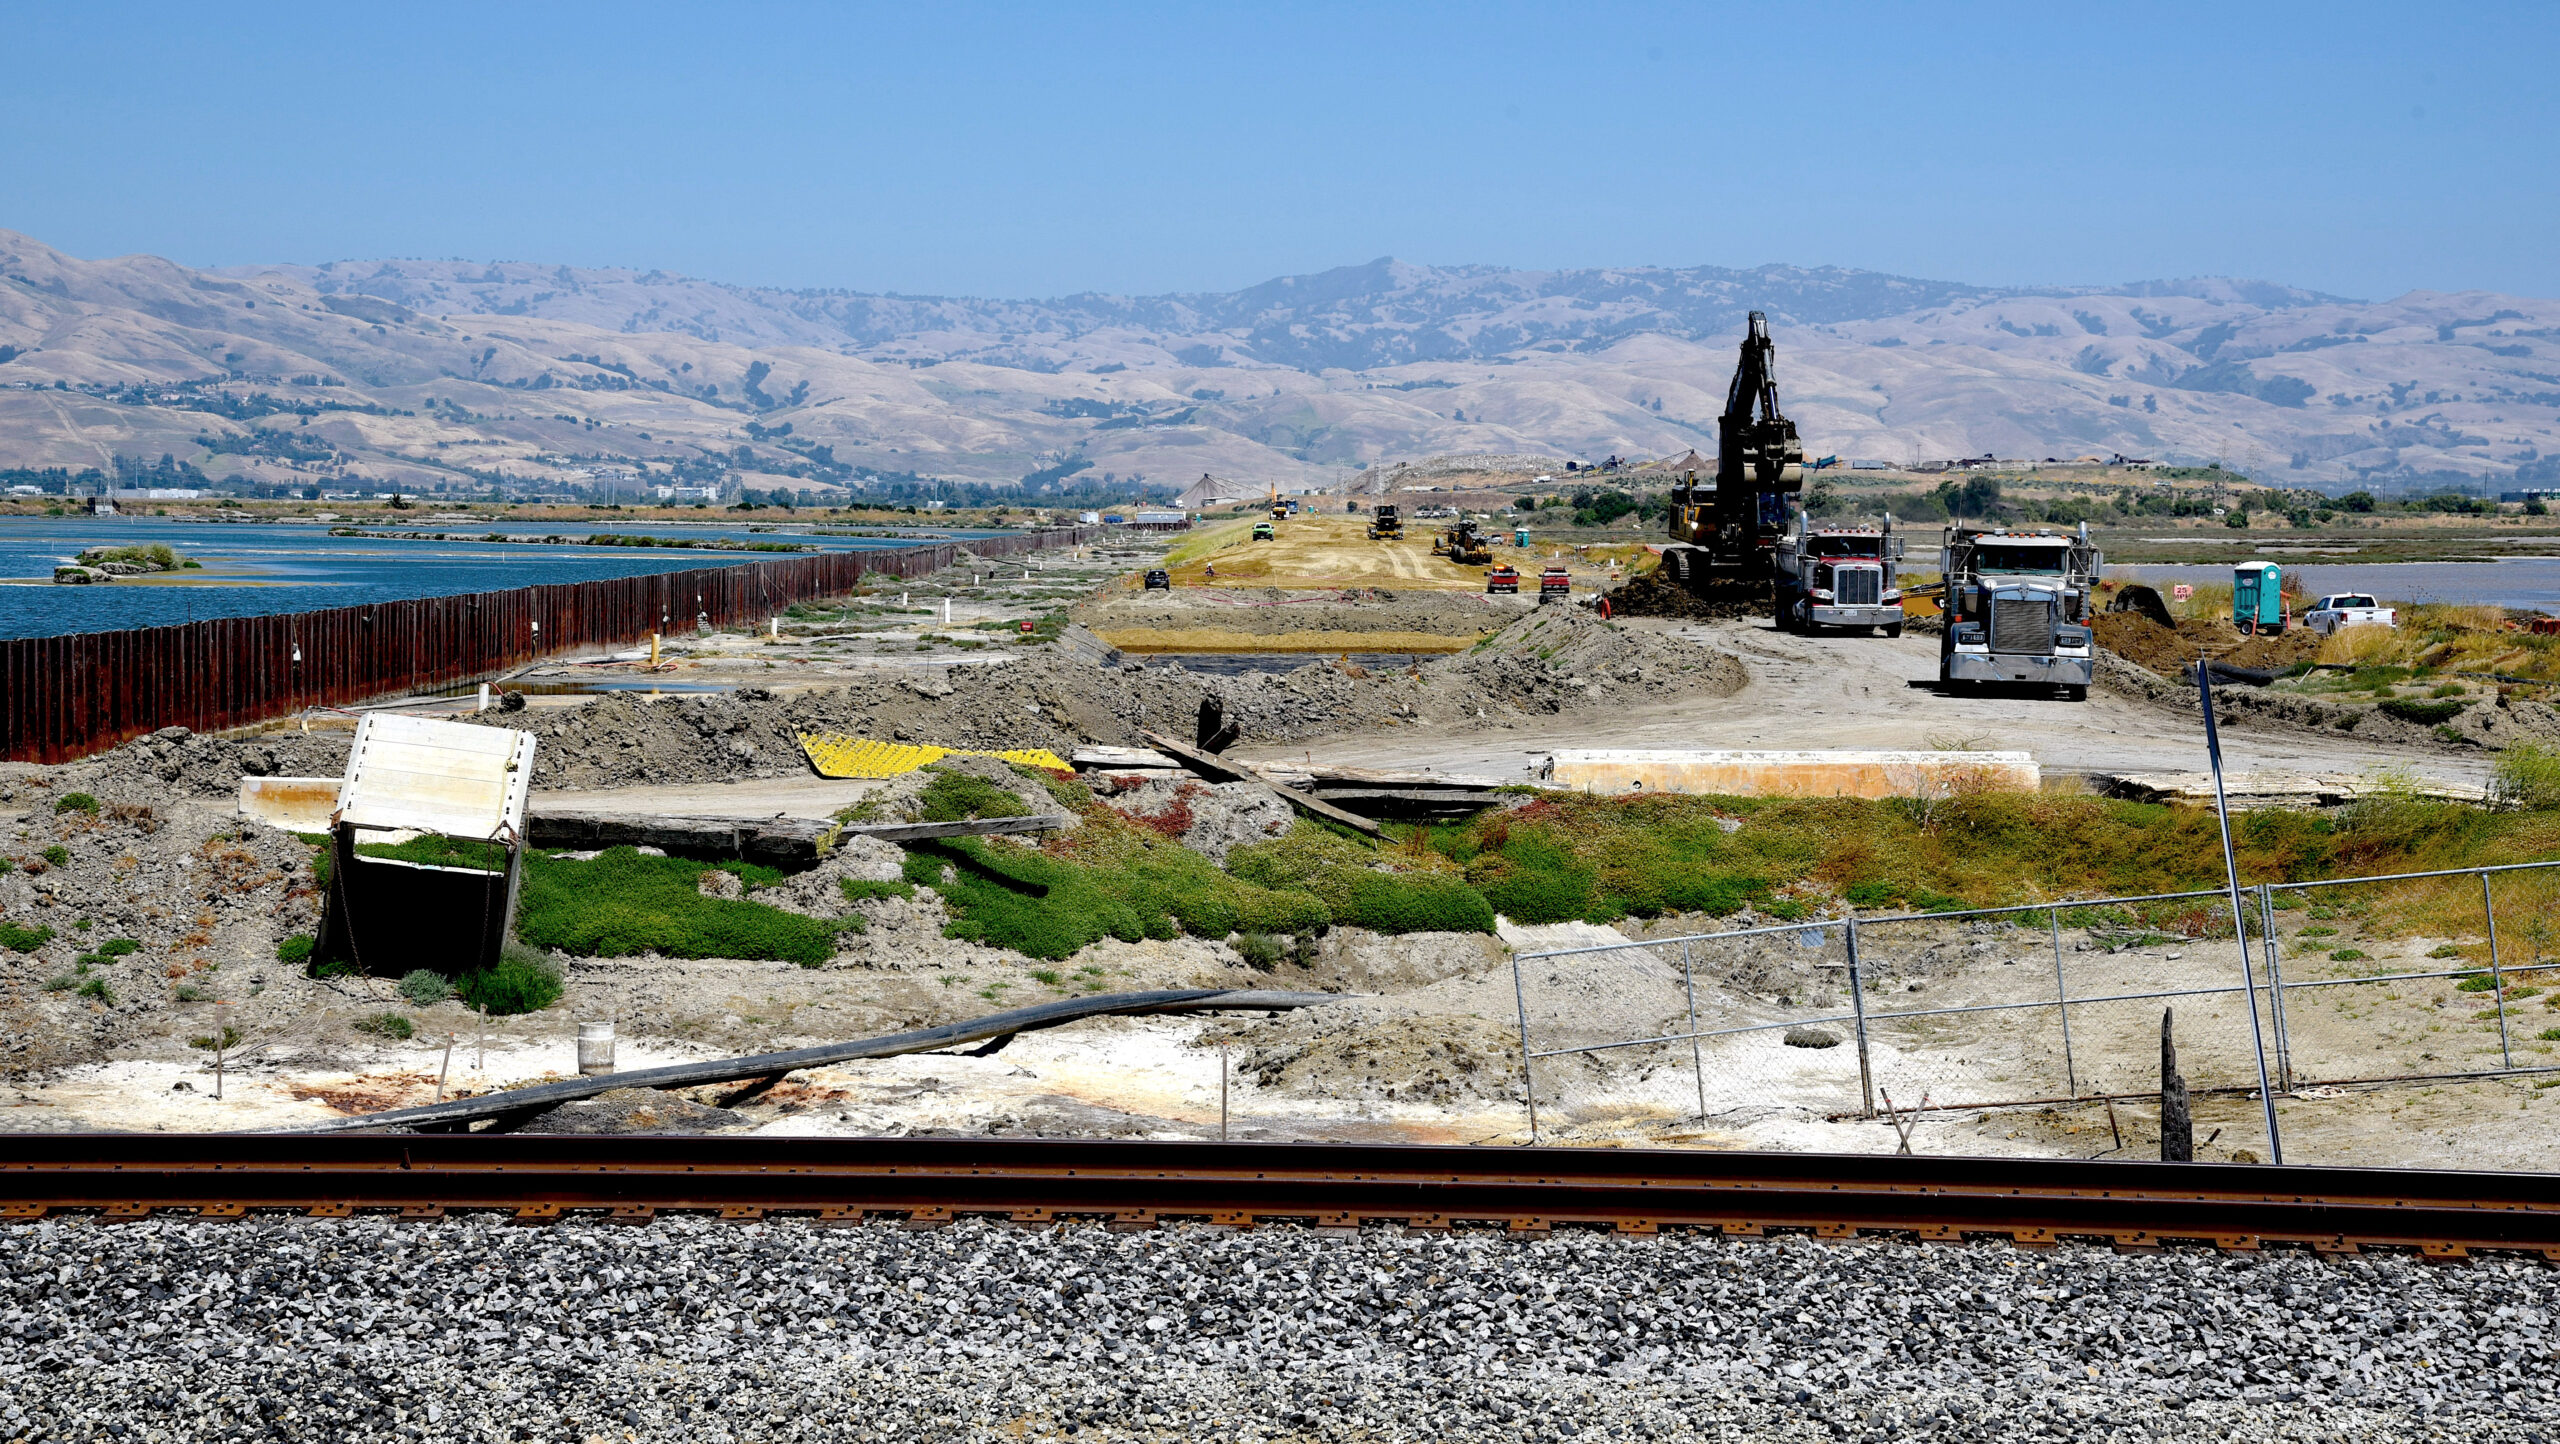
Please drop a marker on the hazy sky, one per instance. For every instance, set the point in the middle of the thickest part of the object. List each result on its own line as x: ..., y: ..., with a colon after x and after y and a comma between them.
x: 2364, y: 149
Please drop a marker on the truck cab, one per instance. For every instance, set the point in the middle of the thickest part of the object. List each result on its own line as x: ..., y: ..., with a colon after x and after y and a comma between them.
x: 2018, y: 608
x: 1838, y: 576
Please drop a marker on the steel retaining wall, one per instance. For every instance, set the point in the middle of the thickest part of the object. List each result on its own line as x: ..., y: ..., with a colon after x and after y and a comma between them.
x: 67, y: 697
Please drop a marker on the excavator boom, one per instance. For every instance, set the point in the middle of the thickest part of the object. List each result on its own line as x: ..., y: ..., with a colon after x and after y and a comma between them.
x: 1731, y: 525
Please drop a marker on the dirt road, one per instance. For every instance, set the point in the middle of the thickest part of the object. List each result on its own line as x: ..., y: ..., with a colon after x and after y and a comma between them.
x: 1842, y: 691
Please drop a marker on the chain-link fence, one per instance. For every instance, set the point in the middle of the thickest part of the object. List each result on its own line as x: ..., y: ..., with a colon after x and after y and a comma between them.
x: 2318, y: 990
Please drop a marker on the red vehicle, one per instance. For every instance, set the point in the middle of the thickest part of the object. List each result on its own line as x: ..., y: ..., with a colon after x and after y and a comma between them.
x: 1503, y: 578
x: 1555, y: 584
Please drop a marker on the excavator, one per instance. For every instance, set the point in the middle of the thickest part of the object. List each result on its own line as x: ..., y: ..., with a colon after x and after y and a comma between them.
x: 1725, y: 531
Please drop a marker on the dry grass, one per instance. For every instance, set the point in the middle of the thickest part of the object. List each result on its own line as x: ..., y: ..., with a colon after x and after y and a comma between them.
x: 2361, y: 646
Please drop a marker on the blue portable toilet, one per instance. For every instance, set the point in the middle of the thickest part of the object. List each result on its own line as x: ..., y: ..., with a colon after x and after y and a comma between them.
x: 1519, y: 536
x: 2257, y: 597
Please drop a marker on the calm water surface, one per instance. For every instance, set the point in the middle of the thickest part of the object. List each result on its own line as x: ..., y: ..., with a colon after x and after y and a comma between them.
x: 254, y: 569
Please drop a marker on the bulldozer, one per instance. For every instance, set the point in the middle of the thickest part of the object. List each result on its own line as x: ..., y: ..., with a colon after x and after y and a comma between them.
x: 1461, y: 544
x: 1385, y: 525
x: 1725, y: 530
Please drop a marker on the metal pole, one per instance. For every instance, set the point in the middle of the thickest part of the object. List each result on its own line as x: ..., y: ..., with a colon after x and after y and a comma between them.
x: 1528, y: 1080
x: 2275, y: 986
x: 2062, y: 1005
x: 1697, y: 1052
x: 1222, y: 1090
x: 2239, y: 923
x: 2497, y: 979
x: 1858, y: 998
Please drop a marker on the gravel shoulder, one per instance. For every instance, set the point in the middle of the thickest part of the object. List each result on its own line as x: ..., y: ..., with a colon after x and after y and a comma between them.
x: 465, y: 1329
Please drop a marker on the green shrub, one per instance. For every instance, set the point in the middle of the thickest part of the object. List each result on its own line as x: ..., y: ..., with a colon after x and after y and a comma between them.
x: 57, y: 855
x: 425, y: 987
x: 187, y: 993
x: 2440, y: 950
x: 61, y: 983
x: 1412, y: 902
x: 858, y: 889
x: 1048, y: 976
x: 97, y: 988
x: 387, y: 1025
x: 1259, y: 950
x: 93, y: 960
x: 23, y: 940
x: 8, y: 865
x: 957, y: 796
x: 623, y: 904
x: 2549, y: 1035
x: 2426, y: 713
x: 2347, y: 955
x: 1119, y: 883
x: 119, y: 947
x: 521, y: 982
x: 1872, y: 894
x: 922, y: 869
x: 296, y: 949
x: 2473, y: 983
x: 229, y: 1037
x: 76, y: 802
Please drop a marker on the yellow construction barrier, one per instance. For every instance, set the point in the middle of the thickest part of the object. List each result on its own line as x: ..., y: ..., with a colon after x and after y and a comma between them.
x: 836, y: 755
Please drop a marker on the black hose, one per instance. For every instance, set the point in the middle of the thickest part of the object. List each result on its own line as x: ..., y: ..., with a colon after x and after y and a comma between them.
x: 760, y: 1065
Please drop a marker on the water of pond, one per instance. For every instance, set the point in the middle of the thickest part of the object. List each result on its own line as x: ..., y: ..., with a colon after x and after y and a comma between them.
x: 2525, y: 583
x: 252, y: 569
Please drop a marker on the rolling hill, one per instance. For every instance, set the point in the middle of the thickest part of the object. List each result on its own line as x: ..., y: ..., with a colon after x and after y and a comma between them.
x: 412, y: 373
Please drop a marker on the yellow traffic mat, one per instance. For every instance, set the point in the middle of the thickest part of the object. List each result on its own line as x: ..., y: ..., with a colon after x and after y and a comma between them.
x: 836, y: 755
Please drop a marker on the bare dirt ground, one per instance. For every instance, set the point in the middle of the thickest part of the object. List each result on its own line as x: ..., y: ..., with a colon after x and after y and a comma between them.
x: 1850, y: 691
x: 1426, y: 1044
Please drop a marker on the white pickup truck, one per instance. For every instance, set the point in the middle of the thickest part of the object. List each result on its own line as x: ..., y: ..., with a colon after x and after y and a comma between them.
x: 2348, y: 609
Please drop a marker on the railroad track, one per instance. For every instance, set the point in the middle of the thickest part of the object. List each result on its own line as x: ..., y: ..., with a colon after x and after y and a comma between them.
x: 1132, y: 1185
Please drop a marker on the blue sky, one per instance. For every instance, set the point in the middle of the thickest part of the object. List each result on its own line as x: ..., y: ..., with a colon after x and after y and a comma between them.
x: 2362, y: 149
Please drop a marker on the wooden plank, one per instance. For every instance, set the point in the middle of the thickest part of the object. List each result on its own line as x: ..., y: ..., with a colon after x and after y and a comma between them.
x: 971, y: 827
x: 1220, y: 770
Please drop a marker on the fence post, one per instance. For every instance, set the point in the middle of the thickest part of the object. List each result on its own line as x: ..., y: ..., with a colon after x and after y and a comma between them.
x: 2275, y: 985
x: 1858, y: 999
x: 2497, y: 979
x: 2062, y: 1005
x: 1697, y: 1053
x: 1528, y: 1079
x: 2239, y: 918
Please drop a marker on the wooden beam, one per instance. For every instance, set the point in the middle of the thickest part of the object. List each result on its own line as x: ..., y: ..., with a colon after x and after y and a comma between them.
x: 967, y: 827
x: 1220, y: 769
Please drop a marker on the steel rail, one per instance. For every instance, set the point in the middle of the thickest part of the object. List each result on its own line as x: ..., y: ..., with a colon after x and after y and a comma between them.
x: 1130, y: 1184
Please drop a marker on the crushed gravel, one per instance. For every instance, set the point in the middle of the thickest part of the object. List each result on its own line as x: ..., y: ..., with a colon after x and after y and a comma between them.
x: 693, y: 1330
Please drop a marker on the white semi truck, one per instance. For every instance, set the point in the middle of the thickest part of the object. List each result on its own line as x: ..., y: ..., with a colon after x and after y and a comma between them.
x: 1838, y: 576
x: 2018, y: 608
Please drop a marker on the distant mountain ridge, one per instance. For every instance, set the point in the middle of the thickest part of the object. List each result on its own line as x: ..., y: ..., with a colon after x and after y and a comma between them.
x: 547, y: 371
x: 1357, y: 318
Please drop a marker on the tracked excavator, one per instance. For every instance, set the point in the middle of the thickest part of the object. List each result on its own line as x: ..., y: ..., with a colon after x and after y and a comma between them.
x: 1725, y: 529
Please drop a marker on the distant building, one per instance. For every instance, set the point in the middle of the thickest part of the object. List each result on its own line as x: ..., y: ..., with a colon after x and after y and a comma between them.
x: 156, y: 493
x: 2530, y: 493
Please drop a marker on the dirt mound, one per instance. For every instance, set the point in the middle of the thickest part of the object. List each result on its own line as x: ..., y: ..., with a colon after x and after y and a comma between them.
x: 1562, y: 658
x: 1658, y: 594
x: 1271, y: 612
x: 2274, y: 653
x: 2144, y: 642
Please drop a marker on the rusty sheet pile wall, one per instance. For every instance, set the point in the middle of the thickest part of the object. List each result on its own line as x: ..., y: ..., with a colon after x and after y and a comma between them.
x: 67, y: 697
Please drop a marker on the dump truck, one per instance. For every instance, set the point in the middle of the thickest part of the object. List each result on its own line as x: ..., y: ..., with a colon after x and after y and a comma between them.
x: 2018, y: 607
x: 1462, y: 545
x: 1385, y: 525
x: 1838, y: 576
x: 1725, y: 529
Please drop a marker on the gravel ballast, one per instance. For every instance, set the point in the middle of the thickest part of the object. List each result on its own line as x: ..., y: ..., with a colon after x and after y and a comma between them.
x: 466, y: 1328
